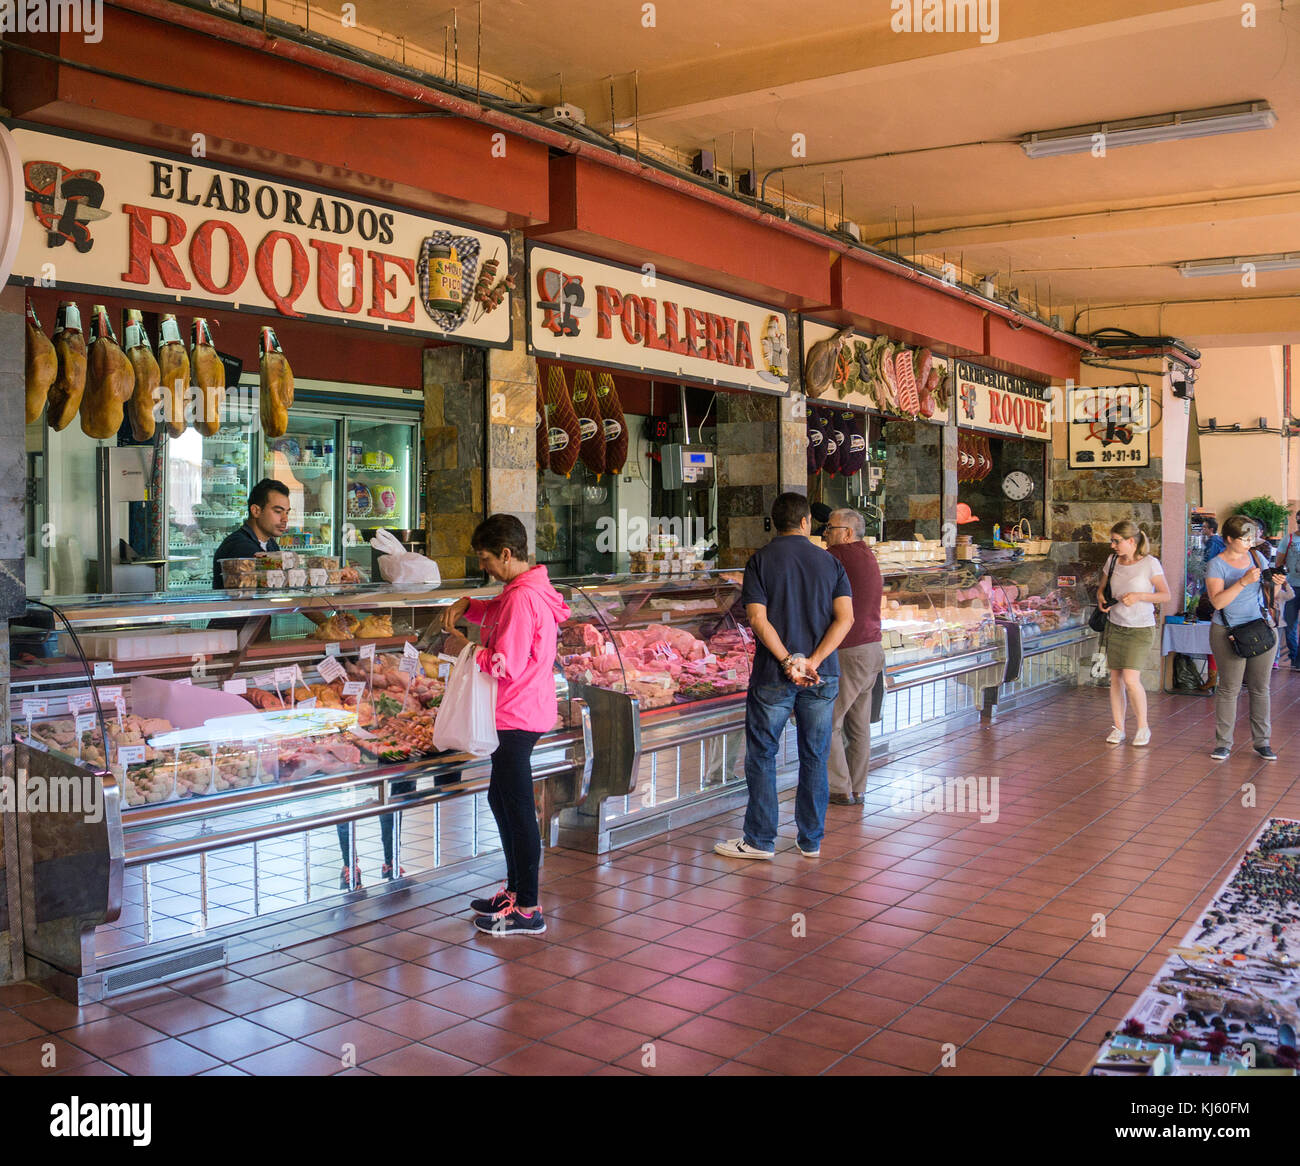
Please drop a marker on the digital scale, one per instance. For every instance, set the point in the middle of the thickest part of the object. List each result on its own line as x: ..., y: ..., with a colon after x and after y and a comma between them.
x: 686, y: 466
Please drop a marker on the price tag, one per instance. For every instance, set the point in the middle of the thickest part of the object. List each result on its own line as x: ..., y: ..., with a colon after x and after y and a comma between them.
x: 103, y: 668
x: 730, y: 674
x: 409, y: 666
x: 444, y: 670
x: 85, y: 723
x: 587, y: 677
x: 77, y: 703
x: 330, y: 670
x: 333, y: 650
x: 111, y: 694
x: 35, y: 707
x: 309, y: 703
x: 366, y: 652
x: 409, y: 652
x: 354, y: 687
x: 284, y: 677
x: 184, y: 681
x: 266, y: 681
x: 237, y: 687
x: 1065, y: 580
x: 130, y: 755
x: 710, y: 659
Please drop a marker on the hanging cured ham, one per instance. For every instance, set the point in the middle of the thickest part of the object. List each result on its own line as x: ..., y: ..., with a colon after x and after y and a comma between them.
x: 611, y: 414
x: 140, y: 409
x: 563, y: 433
x: 110, y: 380
x: 174, y: 371
x: 210, y: 377
x: 817, y: 430
x: 275, y: 386
x: 853, y: 453
x: 543, y: 446
x: 591, y: 433
x: 40, y: 366
x: 831, y: 464
x: 70, y: 382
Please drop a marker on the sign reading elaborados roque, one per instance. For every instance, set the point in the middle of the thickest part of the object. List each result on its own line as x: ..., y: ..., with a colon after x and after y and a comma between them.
x: 1001, y: 403
x: 108, y: 218
x: 593, y: 312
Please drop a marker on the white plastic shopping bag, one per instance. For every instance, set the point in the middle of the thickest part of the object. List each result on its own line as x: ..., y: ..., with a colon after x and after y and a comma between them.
x: 401, y: 567
x: 467, y: 716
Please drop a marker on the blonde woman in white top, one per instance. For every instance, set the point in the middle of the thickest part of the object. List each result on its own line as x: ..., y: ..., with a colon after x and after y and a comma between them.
x: 1137, y: 585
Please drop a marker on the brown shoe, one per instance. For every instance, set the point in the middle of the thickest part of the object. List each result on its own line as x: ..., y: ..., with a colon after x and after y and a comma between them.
x: 841, y: 800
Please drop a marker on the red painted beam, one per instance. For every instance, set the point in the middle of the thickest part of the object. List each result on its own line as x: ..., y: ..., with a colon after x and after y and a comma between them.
x: 883, y: 302
x: 443, y: 165
x: 617, y: 216
x: 1028, y: 352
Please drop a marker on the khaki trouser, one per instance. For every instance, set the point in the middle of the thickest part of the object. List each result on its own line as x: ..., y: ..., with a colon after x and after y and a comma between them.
x: 1258, y: 671
x: 850, y: 756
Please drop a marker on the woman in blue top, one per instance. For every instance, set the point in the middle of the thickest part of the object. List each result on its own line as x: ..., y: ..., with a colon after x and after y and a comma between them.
x: 1232, y: 581
x: 1288, y: 556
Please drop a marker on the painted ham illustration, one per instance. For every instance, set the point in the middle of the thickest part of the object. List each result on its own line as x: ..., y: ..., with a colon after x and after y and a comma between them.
x: 70, y: 383
x: 276, y: 385
x: 819, y: 365
x: 140, y: 409
x: 110, y: 380
x: 563, y: 433
x: 611, y: 414
x: 210, y: 377
x: 591, y: 433
x: 40, y: 366
x: 174, y: 373
x: 543, y: 445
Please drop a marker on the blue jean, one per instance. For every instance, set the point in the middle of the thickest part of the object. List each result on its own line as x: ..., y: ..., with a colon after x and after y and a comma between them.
x: 767, y: 709
x: 1290, y: 613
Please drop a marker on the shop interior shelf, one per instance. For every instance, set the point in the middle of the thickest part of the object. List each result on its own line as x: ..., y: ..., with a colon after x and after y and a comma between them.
x: 358, y: 468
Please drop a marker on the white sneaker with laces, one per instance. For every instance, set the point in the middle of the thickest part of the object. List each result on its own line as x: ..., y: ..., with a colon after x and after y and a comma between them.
x: 1142, y: 737
x: 739, y: 848
x: 1115, y: 736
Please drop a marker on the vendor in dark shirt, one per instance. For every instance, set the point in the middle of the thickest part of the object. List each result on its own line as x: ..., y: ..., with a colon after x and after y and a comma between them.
x: 268, y: 516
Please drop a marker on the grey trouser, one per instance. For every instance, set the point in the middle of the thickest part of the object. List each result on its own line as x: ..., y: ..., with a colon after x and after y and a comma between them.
x: 1258, y: 671
x: 850, y: 756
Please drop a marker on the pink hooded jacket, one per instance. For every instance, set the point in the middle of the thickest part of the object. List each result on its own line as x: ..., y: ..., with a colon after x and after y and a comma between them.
x: 520, y: 632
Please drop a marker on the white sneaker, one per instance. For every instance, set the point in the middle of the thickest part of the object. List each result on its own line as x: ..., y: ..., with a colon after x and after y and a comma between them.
x: 814, y: 853
x: 1115, y: 737
x: 739, y: 848
x: 1142, y: 737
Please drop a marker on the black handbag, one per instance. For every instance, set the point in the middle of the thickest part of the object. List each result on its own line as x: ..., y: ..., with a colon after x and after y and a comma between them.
x: 1254, y: 638
x: 1099, y: 619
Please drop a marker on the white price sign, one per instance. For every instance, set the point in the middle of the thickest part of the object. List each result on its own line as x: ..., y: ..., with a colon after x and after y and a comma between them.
x: 85, y: 723
x: 409, y: 666
x: 333, y: 650
x: 284, y: 677
x: 34, y: 707
x: 354, y: 687
x: 236, y: 687
x: 77, y: 703
x: 130, y: 755
x: 266, y: 681
x: 330, y: 670
x: 309, y: 703
x: 103, y: 668
x: 409, y: 652
x: 366, y: 652
x: 111, y: 694
x: 185, y: 681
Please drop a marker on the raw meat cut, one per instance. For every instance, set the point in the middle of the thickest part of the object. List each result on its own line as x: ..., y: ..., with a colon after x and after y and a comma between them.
x: 543, y: 444
x: 591, y: 433
x: 147, y: 376
x: 611, y: 413
x: 110, y: 380
x: 908, y: 398
x: 563, y: 433
x: 174, y: 374
x: 70, y: 382
x: 41, y: 366
x: 210, y: 377
x: 276, y: 385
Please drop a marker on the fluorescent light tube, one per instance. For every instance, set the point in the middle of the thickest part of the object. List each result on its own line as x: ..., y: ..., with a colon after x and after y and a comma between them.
x: 1141, y: 131
x: 1288, y: 261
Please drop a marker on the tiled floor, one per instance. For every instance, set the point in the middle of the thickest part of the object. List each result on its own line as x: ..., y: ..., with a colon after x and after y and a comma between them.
x: 922, y: 941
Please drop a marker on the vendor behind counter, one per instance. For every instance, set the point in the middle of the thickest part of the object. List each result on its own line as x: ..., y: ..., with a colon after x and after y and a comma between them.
x: 268, y: 517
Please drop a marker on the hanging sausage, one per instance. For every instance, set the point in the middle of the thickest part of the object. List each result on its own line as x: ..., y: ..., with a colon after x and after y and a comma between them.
x: 70, y: 382
x: 539, y: 423
x: 140, y: 410
x: 40, y: 366
x: 563, y: 431
x: 611, y: 413
x: 591, y: 433
x: 174, y: 374
x: 110, y: 380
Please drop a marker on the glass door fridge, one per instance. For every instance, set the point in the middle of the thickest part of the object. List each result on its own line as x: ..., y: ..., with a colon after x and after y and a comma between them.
x: 306, y: 460
x: 381, y: 476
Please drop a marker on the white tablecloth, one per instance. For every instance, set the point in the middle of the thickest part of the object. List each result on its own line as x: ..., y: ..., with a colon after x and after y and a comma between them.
x: 1190, y: 639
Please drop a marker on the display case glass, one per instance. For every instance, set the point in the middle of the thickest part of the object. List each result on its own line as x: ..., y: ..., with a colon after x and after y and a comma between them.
x: 934, y: 614
x: 305, y: 460
x: 208, y: 482
x: 379, y: 480
x: 1034, y: 594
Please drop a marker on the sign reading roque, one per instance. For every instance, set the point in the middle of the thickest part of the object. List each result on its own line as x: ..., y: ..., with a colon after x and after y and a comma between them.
x: 1000, y: 403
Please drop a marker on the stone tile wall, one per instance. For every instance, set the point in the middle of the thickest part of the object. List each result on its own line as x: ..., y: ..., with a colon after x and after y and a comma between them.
x: 913, y: 479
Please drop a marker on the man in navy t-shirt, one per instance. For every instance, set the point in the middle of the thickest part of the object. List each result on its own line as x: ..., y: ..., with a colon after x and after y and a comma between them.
x: 800, y: 607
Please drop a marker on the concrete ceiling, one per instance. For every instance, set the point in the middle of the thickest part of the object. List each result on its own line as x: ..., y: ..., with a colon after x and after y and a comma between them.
x: 1096, y: 231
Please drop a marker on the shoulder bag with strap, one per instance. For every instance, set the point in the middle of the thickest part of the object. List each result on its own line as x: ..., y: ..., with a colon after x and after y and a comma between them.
x: 1099, y: 619
x: 1255, y: 637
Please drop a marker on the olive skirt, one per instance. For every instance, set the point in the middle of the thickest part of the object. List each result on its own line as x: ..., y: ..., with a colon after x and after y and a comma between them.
x: 1128, y: 647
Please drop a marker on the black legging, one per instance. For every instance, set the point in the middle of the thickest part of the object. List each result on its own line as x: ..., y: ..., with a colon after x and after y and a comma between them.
x: 510, y: 798
x: 385, y: 826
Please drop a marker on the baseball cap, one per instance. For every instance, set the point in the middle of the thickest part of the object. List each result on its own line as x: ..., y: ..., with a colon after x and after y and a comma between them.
x: 964, y: 515
x: 821, y: 515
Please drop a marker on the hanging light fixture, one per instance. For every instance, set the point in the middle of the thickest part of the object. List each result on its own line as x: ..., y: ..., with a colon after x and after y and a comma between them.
x: 1142, y: 131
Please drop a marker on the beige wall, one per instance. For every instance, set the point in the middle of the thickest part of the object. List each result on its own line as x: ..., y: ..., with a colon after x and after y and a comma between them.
x: 1241, y: 385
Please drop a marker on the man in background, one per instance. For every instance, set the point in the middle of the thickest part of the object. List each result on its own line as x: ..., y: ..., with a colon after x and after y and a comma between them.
x: 861, y: 657
x: 799, y: 605
x: 268, y: 517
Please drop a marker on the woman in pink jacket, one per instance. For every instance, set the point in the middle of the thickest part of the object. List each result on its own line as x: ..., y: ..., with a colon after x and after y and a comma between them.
x: 519, y: 634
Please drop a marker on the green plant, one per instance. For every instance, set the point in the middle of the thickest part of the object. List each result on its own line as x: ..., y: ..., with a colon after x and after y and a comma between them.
x: 1269, y: 514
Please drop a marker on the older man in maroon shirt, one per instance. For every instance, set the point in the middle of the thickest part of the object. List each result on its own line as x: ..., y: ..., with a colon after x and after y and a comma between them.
x: 861, y: 659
